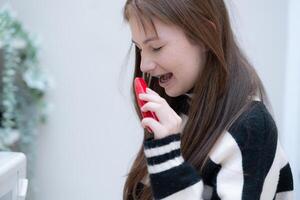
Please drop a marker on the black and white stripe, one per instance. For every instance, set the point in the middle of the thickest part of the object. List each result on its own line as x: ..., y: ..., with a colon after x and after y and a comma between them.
x: 247, y: 162
x: 168, y: 171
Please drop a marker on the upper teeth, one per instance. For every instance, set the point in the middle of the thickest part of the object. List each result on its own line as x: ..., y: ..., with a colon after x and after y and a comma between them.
x: 161, y: 75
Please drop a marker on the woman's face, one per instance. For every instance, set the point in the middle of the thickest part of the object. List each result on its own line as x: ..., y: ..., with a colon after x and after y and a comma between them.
x: 169, y: 52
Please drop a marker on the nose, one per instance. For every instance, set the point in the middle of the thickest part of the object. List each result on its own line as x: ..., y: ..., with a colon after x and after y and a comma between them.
x: 147, y: 64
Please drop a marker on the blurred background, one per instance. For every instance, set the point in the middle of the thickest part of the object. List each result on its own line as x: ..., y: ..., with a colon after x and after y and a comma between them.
x: 92, y: 135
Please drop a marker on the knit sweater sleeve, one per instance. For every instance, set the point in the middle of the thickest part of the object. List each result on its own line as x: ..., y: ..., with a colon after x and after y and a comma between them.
x: 171, y: 177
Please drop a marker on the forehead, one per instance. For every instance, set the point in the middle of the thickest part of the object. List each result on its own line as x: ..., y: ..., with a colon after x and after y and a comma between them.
x: 142, y: 29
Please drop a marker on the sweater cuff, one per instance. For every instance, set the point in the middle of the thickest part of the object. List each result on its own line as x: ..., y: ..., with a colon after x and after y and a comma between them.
x: 163, y: 154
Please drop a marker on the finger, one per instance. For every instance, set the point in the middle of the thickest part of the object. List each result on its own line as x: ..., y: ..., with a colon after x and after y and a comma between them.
x: 150, y: 106
x: 150, y: 97
x: 150, y: 91
x: 155, y: 126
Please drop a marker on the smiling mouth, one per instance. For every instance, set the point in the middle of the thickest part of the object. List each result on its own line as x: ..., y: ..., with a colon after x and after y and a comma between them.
x: 165, y: 78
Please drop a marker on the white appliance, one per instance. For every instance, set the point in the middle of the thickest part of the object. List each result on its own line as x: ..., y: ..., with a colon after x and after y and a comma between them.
x: 13, y: 182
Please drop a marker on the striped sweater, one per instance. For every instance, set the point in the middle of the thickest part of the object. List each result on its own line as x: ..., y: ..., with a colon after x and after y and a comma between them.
x: 246, y: 163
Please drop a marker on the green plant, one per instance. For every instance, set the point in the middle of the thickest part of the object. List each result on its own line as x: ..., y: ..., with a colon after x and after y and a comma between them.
x: 22, y: 81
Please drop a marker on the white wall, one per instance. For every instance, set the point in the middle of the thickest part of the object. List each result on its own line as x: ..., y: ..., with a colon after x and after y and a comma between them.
x: 93, y: 135
x: 85, y: 149
x: 291, y: 103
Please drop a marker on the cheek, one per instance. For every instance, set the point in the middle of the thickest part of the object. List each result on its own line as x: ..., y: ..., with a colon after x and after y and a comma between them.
x: 183, y: 55
x: 173, y: 57
x: 168, y: 59
x: 194, y: 60
x: 183, y: 62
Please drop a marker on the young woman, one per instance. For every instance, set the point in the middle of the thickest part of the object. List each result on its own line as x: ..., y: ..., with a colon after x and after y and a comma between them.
x: 215, y: 138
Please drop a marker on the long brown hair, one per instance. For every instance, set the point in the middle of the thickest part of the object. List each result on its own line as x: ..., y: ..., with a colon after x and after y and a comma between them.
x: 224, y: 88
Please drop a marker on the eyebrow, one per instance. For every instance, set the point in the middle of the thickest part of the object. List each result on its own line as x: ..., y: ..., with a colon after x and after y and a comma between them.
x: 147, y: 40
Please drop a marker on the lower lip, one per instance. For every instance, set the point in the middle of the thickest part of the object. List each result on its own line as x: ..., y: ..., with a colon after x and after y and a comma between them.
x: 166, y: 83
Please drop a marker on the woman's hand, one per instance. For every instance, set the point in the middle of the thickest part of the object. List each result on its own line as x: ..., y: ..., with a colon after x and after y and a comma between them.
x: 169, y: 122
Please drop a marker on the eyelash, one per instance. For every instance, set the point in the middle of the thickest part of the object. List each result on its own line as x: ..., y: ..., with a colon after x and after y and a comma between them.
x: 156, y: 49
x: 153, y: 49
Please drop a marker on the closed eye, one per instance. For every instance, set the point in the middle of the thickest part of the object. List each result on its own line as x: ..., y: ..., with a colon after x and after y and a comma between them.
x: 153, y: 49
x: 156, y: 49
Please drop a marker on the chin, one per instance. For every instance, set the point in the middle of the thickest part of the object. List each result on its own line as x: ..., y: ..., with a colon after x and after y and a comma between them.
x: 172, y: 94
